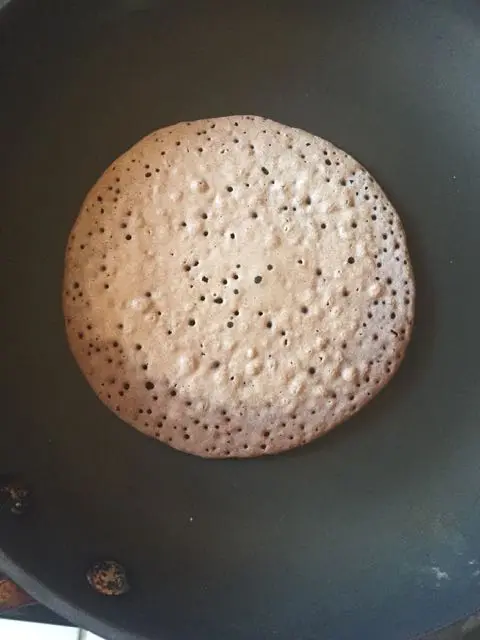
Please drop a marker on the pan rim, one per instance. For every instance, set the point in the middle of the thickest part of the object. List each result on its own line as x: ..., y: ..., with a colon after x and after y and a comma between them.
x: 80, y: 617
x: 60, y: 605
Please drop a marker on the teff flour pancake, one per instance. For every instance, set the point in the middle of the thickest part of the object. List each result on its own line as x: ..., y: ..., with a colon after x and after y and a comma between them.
x: 236, y: 287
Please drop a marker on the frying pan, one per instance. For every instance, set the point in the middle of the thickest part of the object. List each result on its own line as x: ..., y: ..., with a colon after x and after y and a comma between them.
x: 370, y: 532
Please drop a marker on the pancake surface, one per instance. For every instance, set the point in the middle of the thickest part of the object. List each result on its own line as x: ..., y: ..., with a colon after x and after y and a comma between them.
x: 236, y: 287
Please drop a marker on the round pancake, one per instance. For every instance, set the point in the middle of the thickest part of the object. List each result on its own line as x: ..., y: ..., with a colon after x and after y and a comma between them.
x: 236, y: 287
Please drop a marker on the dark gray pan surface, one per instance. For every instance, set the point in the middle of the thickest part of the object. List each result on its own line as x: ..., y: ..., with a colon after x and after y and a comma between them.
x: 372, y: 532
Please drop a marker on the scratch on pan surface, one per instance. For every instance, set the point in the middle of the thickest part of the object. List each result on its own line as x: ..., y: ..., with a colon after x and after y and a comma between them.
x: 439, y: 574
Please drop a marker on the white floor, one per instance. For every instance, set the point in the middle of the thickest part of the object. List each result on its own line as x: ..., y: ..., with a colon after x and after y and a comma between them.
x: 15, y: 630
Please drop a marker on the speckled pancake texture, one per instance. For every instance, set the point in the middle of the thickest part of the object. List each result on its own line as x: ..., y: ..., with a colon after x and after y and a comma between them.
x: 236, y: 287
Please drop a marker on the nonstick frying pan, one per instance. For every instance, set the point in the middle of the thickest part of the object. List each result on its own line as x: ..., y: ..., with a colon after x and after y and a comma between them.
x: 370, y: 532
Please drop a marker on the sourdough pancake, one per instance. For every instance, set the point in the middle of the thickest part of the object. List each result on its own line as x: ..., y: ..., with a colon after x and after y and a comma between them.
x: 236, y: 287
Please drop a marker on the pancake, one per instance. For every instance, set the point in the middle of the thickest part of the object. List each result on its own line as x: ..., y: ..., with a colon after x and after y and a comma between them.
x: 236, y: 287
